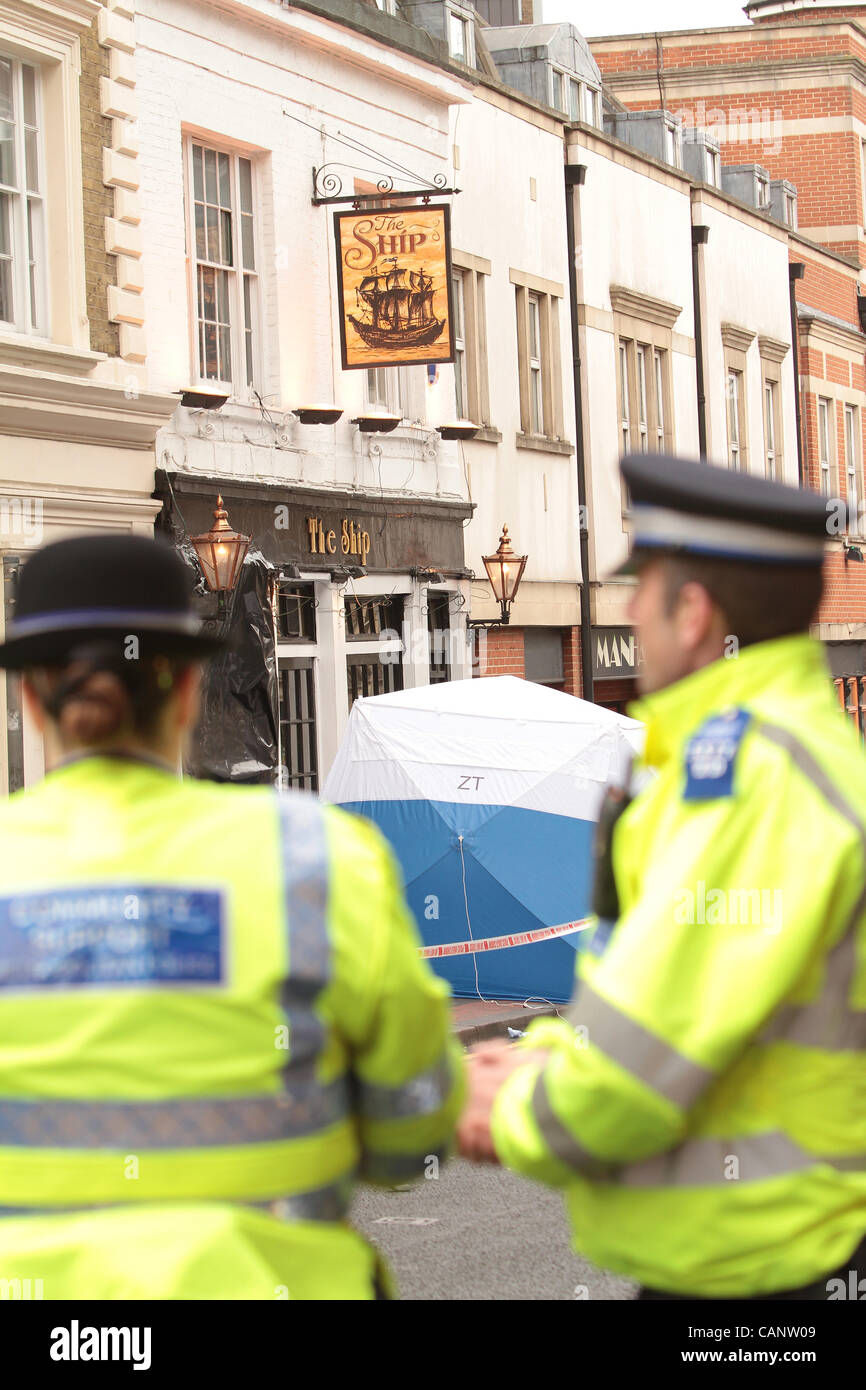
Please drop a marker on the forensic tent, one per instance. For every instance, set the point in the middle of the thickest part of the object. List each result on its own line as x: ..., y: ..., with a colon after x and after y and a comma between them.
x: 488, y: 790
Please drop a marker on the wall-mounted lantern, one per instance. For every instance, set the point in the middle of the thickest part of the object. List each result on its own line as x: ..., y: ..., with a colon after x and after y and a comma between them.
x: 377, y: 422
x: 505, y: 571
x: 317, y: 414
x: 458, y: 429
x: 221, y: 552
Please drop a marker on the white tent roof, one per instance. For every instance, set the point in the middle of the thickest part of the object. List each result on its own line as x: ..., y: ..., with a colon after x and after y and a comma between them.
x: 491, y: 741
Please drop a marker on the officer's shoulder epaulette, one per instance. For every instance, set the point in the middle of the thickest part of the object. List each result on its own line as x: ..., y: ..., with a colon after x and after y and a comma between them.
x: 711, y: 755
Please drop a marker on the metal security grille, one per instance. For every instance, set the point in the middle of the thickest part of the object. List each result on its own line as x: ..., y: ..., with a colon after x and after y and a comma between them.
x: 377, y: 616
x: 298, y: 724
x: 296, y: 613
x: 439, y: 632
x: 370, y: 675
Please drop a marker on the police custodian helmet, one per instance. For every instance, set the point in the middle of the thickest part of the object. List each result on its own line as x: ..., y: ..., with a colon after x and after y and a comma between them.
x: 105, y: 589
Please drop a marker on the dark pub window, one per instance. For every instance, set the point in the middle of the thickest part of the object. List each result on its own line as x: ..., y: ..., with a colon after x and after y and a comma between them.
x: 296, y: 613
x: 374, y: 673
x: 438, y: 633
x: 298, y: 723
x: 369, y: 618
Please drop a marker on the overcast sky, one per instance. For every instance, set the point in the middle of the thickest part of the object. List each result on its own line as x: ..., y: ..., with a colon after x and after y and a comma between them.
x: 644, y: 16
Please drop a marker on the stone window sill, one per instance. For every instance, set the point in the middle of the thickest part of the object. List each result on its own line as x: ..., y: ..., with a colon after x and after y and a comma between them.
x: 487, y: 434
x: 544, y: 445
x: 17, y: 350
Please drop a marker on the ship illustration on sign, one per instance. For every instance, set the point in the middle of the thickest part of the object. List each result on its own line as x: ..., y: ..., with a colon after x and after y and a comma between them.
x: 396, y: 314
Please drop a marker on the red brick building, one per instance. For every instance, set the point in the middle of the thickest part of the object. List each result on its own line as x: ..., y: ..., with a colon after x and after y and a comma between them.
x: 787, y: 92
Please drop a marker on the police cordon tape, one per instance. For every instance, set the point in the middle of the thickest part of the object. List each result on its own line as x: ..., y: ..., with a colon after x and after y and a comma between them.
x: 499, y: 943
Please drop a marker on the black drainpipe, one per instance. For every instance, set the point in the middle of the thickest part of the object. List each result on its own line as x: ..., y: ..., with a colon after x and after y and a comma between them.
x: 575, y: 175
x: 796, y: 271
x: 700, y: 237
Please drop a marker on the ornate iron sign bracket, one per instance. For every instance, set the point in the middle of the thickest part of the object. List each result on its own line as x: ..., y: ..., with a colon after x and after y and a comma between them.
x: 328, y: 187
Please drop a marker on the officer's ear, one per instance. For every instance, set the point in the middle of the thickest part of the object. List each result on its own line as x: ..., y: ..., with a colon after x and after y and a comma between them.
x: 32, y: 704
x: 698, y: 619
x: 187, y: 695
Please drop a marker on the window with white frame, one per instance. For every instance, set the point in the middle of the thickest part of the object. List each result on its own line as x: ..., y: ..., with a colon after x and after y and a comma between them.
x: 735, y: 421
x: 824, y: 460
x: 538, y: 359
x: 763, y: 191
x: 714, y: 168
x: 575, y: 100
x: 557, y: 89
x: 591, y: 107
x: 659, y: 366
x: 222, y: 222
x: 387, y: 6
x: 472, y: 395
x: 624, y: 400
x: 23, y: 300
x: 642, y: 420
x: 642, y: 394
x: 460, y: 36
x: 535, y: 366
x: 770, y: 393
x: 671, y: 145
x: 385, y: 389
x: 852, y: 460
x: 790, y: 210
x: 460, y: 380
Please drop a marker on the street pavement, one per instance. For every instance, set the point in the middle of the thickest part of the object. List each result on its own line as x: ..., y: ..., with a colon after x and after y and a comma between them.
x: 479, y: 1232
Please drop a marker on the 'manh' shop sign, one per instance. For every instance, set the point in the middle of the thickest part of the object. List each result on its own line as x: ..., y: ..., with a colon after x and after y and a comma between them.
x: 615, y: 652
x: 394, y: 286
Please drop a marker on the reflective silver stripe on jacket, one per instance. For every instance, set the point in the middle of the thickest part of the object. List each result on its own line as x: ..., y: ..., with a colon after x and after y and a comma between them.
x: 751, y: 1158
x: 422, y: 1095
x: 324, y: 1204
x: 638, y: 1051
x: 304, y: 1108
x: 561, y: 1142
x: 305, y: 882
x: 827, y: 1022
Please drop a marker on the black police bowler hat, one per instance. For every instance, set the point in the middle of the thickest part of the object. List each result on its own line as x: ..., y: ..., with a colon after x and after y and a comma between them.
x: 103, y: 588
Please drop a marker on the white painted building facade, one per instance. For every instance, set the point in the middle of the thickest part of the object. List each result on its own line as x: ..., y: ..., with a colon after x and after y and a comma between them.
x: 223, y: 284
x: 255, y: 94
x: 637, y: 329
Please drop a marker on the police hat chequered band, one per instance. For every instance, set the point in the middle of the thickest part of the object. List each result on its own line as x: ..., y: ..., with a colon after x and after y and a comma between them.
x: 136, y: 619
x: 662, y: 527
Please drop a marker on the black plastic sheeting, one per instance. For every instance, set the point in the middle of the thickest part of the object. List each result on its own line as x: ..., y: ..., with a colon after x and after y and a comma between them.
x: 236, y: 737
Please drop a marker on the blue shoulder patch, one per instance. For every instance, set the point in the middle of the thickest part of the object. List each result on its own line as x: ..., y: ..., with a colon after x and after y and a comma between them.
x: 711, y: 754
x: 600, y: 936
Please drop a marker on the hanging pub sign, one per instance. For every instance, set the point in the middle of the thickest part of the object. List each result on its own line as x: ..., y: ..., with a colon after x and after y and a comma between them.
x: 394, y: 286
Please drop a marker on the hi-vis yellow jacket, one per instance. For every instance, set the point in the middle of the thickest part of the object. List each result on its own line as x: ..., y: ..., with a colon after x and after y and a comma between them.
x: 213, y: 1017
x: 705, y: 1106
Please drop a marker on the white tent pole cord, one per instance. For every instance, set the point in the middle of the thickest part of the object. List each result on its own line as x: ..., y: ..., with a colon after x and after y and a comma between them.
x: 469, y: 924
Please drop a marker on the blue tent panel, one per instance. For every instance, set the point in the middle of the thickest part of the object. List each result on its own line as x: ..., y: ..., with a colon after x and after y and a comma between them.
x: 518, y: 870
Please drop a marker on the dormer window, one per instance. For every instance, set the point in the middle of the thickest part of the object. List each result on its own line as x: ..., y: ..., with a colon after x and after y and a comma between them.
x: 714, y: 171
x: 460, y: 35
x: 671, y: 145
x: 557, y: 89
x: 790, y: 209
x: 763, y: 192
x: 387, y: 6
x: 591, y: 106
x: 575, y: 103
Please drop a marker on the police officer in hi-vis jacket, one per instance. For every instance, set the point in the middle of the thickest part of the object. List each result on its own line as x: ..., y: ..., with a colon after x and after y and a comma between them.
x: 703, y: 1109
x: 213, y: 1013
